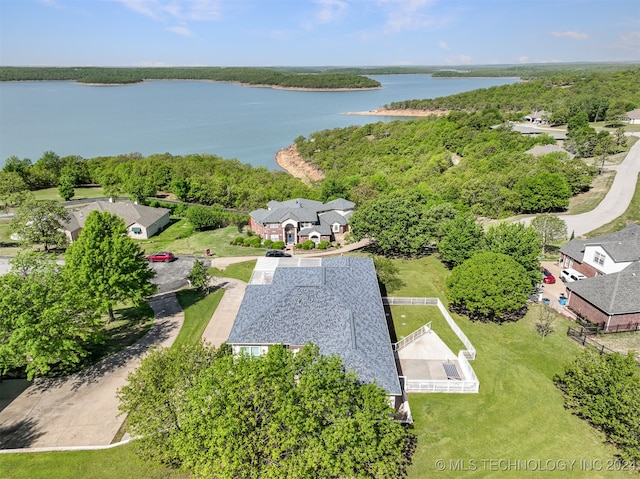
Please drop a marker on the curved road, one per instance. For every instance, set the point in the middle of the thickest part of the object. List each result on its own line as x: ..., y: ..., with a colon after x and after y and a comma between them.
x: 615, y: 203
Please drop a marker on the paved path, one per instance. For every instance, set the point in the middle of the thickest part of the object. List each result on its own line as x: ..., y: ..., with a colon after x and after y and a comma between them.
x: 82, y: 409
x: 219, y: 327
x: 615, y: 203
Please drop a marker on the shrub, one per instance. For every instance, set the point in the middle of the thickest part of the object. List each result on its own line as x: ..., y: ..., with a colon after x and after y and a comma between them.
x: 267, y: 243
x: 238, y: 241
x: 324, y: 244
x: 277, y: 245
x: 298, y: 246
x: 309, y: 244
x: 253, y: 242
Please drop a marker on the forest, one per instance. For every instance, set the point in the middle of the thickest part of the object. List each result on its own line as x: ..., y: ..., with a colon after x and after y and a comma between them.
x: 248, y: 76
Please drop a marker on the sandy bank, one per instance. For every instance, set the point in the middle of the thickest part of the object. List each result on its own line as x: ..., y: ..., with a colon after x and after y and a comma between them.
x: 290, y: 160
x: 383, y: 112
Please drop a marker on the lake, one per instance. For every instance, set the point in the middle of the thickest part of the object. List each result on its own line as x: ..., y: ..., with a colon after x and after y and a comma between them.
x: 182, y: 117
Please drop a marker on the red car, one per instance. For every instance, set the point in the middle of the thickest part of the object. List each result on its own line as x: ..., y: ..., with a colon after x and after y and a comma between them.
x: 163, y: 256
x: 548, y: 278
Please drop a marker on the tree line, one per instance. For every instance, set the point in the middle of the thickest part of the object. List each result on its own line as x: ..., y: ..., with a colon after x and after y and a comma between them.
x: 245, y: 75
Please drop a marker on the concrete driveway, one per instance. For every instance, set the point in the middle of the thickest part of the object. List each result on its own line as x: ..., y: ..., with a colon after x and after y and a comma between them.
x: 173, y: 276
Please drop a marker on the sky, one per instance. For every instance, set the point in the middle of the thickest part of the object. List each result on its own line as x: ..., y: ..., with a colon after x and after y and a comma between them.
x: 316, y: 32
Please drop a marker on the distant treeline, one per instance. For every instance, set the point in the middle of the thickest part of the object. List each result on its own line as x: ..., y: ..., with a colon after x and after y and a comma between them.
x: 250, y: 76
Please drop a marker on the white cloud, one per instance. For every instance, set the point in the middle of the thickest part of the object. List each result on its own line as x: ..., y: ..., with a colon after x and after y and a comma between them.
x: 181, y: 30
x: 196, y: 10
x: 330, y: 10
x: 407, y: 14
x: 629, y: 41
x: 523, y: 59
x: 574, y: 35
x: 442, y: 44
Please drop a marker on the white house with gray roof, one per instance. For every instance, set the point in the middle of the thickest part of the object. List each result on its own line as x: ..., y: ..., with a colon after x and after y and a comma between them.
x: 142, y: 222
x: 334, y: 303
x: 295, y: 221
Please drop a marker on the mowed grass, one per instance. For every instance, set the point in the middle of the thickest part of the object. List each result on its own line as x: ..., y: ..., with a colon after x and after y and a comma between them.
x: 82, y: 193
x: 198, y: 308
x: 519, y: 413
x: 632, y: 215
x: 180, y: 238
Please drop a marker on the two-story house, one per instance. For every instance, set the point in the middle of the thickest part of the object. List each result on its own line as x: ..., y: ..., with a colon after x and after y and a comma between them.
x: 610, y: 296
x: 295, y: 221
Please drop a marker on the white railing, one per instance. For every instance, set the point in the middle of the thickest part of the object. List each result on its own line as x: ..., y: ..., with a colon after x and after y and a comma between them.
x: 410, y: 301
x: 470, y: 352
x: 412, y: 337
x: 470, y: 383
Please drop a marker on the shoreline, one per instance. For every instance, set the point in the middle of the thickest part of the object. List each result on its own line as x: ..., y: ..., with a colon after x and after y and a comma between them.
x: 411, y: 113
x: 290, y: 161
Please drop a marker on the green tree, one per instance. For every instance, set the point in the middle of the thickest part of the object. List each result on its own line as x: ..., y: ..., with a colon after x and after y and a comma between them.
x: 549, y: 229
x: 543, y: 192
x: 43, y: 325
x: 388, y: 274
x: 65, y: 188
x: 40, y: 222
x: 13, y: 190
x: 489, y: 287
x: 108, y: 264
x: 604, y: 389
x: 464, y: 237
x: 205, y: 217
x: 278, y: 415
x: 199, y: 277
x: 518, y: 241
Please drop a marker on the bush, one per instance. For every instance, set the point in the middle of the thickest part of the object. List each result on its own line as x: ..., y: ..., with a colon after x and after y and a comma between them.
x: 253, y: 242
x: 267, y: 243
x: 309, y: 244
x: 277, y: 245
x: 238, y: 241
x: 298, y: 246
x: 324, y: 244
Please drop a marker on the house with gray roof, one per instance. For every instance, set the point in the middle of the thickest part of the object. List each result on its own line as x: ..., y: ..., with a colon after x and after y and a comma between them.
x: 541, y: 150
x: 142, y: 222
x: 297, y: 220
x: 605, y: 254
x: 611, y: 301
x: 610, y: 296
x: 334, y: 303
x: 633, y: 116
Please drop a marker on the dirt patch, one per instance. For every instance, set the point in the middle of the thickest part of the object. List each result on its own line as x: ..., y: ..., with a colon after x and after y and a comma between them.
x: 290, y: 160
x: 384, y: 112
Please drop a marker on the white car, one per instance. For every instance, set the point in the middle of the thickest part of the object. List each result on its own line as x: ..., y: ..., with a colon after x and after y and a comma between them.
x: 569, y: 275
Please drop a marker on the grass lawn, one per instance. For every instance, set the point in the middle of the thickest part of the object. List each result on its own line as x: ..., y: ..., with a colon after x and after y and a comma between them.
x: 241, y: 271
x: 181, y: 239
x: 85, y: 192
x: 198, y: 309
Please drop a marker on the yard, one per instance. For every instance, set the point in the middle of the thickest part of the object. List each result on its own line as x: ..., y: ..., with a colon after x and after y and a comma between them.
x: 515, y: 427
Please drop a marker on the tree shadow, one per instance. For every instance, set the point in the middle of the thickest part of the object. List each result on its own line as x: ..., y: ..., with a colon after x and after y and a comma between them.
x: 11, y: 389
x: 19, y: 435
x: 165, y: 307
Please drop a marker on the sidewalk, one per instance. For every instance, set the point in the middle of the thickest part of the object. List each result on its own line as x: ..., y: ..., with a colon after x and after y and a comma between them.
x: 219, y: 327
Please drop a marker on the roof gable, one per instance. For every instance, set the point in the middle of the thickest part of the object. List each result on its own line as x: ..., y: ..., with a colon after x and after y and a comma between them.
x: 128, y: 211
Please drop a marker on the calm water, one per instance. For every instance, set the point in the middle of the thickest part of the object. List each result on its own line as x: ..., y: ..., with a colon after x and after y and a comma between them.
x: 180, y: 117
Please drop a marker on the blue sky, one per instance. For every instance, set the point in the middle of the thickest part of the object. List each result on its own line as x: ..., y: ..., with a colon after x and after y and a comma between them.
x: 316, y: 32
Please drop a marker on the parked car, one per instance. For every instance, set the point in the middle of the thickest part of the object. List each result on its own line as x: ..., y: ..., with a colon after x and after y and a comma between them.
x: 547, y: 277
x: 569, y: 275
x: 162, y: 256
x: 276, y: 253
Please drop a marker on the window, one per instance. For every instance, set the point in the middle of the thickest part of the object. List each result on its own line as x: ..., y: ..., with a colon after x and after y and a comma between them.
x: 136, y: 230
x: 336, y: 228
x: 599, y: 258
x: 275, y: 237
x: 250, y: 350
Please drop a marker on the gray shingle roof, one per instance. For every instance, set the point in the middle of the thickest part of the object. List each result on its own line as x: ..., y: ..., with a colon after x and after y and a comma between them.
x: 299, y: 209
x: 336, y: 306
x: 331, y: 217
x: 540, y: 150
x: 622, y: 246
x: 128, y: 211
x: 616, y: 293
x: 340, y: 204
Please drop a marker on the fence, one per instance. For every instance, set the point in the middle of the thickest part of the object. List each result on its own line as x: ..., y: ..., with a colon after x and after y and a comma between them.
x: 580, y: 335
x: 470, y: 385
x: 412, y: 337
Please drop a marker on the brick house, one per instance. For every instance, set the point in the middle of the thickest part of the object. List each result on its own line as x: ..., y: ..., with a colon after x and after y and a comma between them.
x: 295, y: 221
x: 610, y: 296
